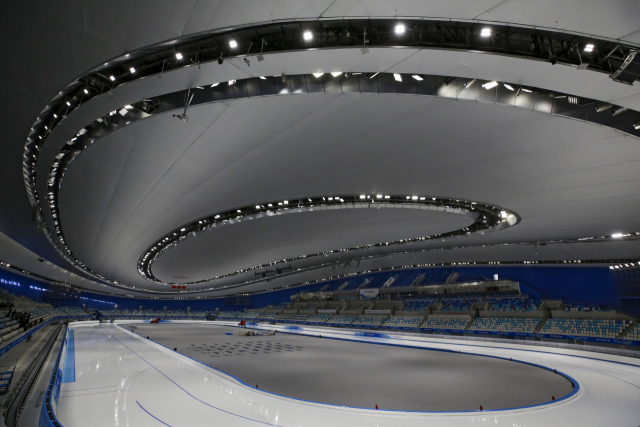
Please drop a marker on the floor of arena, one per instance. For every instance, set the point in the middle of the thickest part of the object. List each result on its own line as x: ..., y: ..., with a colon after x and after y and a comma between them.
x: 121, y: 378
x: 358, y: 375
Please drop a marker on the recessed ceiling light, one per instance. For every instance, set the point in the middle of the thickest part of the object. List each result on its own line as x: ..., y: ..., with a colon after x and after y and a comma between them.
x: 307, y: 35
x: 112, y: 78
x: 233, y: 44
x: 215, y: 84
x: 178, y: 55
x: 263, y: 78
x: 486, y: 32
x: 133, y: 70
x: 588, y: 48
x: 400, y: 29
x: 508, y: 86
x: 616, y: 235
x: 417, y: 77
x: 397, y: 76
x: 336, y: 73
x: 490, y: 85
x: 318, y: 75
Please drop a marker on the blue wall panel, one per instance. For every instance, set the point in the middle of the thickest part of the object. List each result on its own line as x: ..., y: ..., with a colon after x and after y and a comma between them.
x: 589, y: 285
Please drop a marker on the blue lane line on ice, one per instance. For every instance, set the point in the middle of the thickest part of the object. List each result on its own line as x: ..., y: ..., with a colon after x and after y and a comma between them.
x: 69, y: 370
x: 572, y: 393
x: 158, y: 419
x: 190, y: 395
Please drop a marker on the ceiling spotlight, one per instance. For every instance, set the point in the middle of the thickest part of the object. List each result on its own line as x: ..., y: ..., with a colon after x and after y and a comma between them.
x: 588, y: 48
x: 336, y: 73
x: 400, y: 29
x: 113, y: 79
x: 133, y: 70
x: 490, y: 85
x: 603, y: 107
x: 417, y: 77
x: 508, y: 86
x: 215, y: 84
x: 486, y: 32
x: 307, y: 35
x: 233, y: 44
x: 317, y: 75
x: 246, y: 61
x: 397, y: 76
x: 178, y: 56
x: 220, y: 60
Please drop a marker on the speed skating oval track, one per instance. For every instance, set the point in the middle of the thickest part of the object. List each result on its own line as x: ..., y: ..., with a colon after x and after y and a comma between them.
x: 123, y: 379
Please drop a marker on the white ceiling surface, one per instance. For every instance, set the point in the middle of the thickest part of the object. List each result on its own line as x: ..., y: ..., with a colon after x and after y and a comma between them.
x: 251, y: 243
x: 15, y: 254
x: 566, y: 178
x: 534, y: 73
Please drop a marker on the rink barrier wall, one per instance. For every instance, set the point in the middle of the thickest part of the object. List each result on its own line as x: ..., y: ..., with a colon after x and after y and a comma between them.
x: 297, y: 330
x: 47, y: 410
x: 466, y: 332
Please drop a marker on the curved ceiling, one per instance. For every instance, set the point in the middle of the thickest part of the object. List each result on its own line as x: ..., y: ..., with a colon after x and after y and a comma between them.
x: 567, y: 179
x: 256, y: 242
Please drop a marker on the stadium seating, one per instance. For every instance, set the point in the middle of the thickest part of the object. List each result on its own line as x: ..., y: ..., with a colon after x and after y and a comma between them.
x: 585, y: 327
x: 459, y: 304
x: 228, y: 314
x: 296, y: 318
x: 634, y: 334
x: 248, y: 315
x: 441, y: 323
x: 418, y: 304
x: 510, y: 304
x: 369, y: 320
x: 343, y: 318
x: 505, y: 324
x: 585, y: 308
x: 403, y: 322
x: 319, y: 318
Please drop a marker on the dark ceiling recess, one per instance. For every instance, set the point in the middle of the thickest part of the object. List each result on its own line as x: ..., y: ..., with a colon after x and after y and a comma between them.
x: 629, y: 70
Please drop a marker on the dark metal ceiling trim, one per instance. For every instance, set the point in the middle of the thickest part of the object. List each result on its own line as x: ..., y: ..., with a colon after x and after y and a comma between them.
x: 486, y: 218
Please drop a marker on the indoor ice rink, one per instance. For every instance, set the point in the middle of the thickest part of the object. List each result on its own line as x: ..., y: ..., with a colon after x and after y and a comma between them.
x: 320, y: 213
